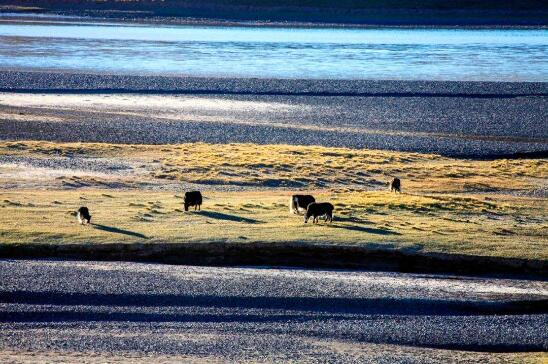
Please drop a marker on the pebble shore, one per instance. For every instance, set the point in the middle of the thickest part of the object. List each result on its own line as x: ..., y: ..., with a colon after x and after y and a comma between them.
x: 466, y: 119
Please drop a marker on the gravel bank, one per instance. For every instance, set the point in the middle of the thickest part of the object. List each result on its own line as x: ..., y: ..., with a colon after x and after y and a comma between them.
x: 271, y: 315
x: 24, y: 81
x: 471, y: 119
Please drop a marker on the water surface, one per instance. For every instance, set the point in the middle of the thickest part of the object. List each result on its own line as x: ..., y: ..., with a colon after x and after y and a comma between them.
x: 385, y: 53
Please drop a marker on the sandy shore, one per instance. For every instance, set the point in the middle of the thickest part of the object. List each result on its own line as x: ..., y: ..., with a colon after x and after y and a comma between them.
x: 472, y: 119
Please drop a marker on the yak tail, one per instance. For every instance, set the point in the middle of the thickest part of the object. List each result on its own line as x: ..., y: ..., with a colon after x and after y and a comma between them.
x: 291, y: 205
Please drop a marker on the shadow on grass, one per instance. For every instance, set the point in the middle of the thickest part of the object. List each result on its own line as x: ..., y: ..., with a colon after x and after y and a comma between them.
x: 228, y: 217
x: 115, y: 230
x: 352, y: 219
x: 364, y: 229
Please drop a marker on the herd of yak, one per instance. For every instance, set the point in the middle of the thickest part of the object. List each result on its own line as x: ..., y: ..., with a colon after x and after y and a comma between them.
x: 297, y: 204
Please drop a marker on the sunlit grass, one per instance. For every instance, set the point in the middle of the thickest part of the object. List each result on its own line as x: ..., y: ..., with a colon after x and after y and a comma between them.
x: 444, y: 223
x: 448, y: 205
x: 308, y: 166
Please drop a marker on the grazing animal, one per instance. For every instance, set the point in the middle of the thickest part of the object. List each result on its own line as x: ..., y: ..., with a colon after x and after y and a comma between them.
x: 317, y: 209
x: 83, y: 215
x: 193, y: 198
x: 395, y: 185
x: 299, y: 202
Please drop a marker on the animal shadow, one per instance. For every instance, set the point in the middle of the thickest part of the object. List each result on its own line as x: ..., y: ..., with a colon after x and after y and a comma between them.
x: 228, y: 217
x: 364, y: 229
x: 352, y: 219
x: 115, y: 230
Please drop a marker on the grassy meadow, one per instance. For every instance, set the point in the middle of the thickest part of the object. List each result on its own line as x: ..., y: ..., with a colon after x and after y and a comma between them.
x: 490, y: 207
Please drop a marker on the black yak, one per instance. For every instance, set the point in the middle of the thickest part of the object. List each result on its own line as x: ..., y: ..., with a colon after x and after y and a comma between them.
x: 83, y: 215
x: 193, y: 198
x: 317, y: 209
x: 300, y: 202
x: 395, y: 185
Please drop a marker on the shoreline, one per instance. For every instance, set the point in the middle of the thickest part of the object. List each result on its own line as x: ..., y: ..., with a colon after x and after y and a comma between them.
x: 326, y: 14
x: 284, y: 254
x: 71, y: 81
x: 68, y: 18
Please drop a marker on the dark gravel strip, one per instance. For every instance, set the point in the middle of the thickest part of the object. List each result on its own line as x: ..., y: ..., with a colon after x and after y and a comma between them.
x: 57, y: 82
x: 290, y: 254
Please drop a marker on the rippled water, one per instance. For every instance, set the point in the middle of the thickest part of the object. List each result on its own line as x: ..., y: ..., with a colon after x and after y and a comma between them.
x: 408, y: 54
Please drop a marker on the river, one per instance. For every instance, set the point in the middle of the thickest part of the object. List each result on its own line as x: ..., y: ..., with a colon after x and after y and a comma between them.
x: 267, y: 52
